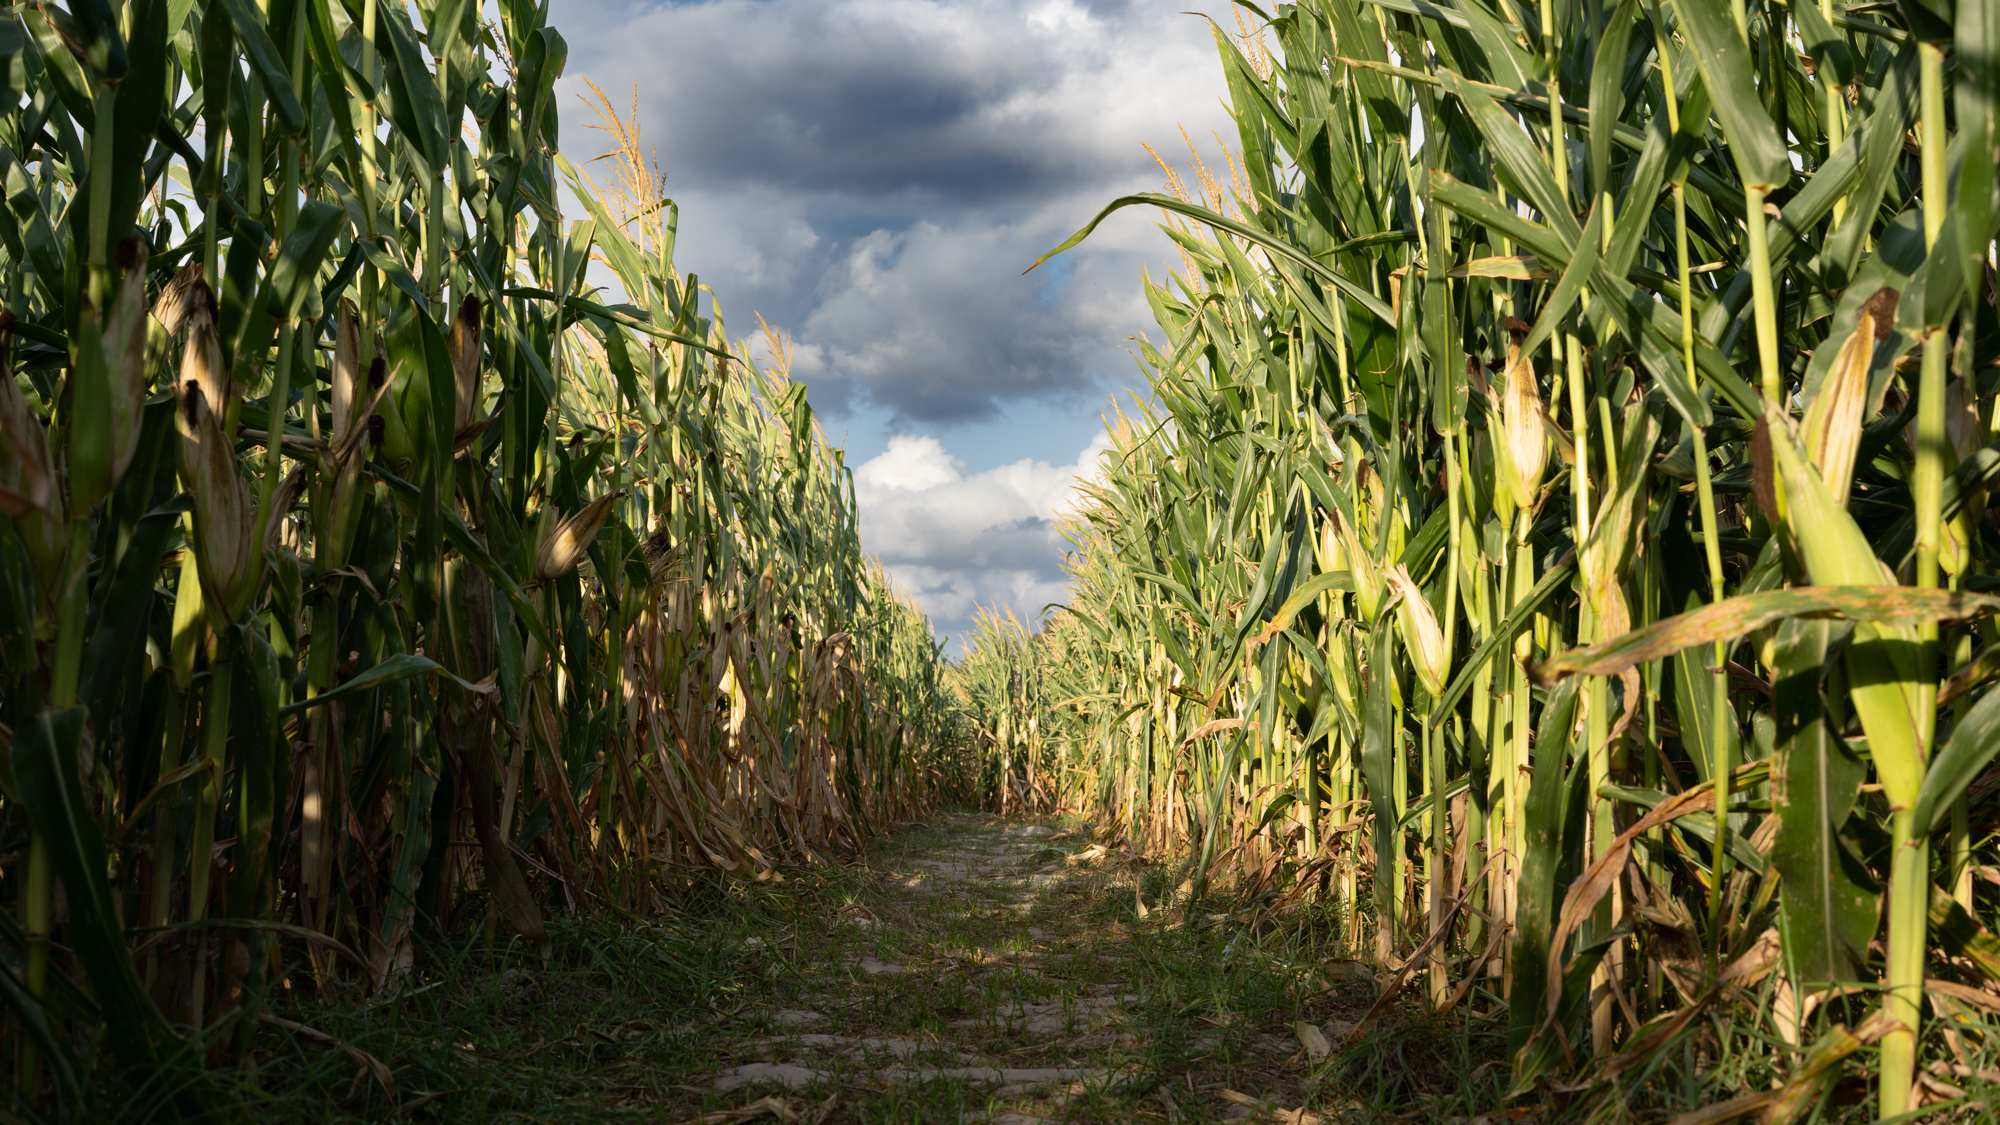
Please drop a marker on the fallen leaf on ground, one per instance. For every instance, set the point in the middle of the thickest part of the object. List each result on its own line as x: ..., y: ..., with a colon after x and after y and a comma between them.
x: 1299, y: 1116
x: 1313, y: 1040
x: 772, y: 1106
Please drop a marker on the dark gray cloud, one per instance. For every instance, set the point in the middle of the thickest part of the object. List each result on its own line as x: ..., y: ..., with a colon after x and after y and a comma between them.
x: 875, y: 175
x: 887, y: 102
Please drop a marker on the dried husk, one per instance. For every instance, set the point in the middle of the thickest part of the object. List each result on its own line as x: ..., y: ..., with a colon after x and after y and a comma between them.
x: 1832, y: 426
x: 178, y: 299
x: 275, y: 529
x: 1368, y: 586
x: 661, y: 554
x: 201, y: 360
x: 223, y: 525
x: 571, y: 539
x: 27, y: 474
x: 124, y: 342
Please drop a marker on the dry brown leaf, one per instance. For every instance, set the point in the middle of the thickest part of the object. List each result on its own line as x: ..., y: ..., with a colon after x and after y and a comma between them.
x: 1313, y: 1040
x: 314, y: 1037
x: 1740, y: 1106
x: 780, y: 1109
x: 1984, y: 1001
x: 1299, y: 1116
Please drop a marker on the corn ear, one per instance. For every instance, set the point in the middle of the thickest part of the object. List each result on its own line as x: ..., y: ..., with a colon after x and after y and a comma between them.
x: 1524, y: 434
x: 1832, y: 425
x: 346, y: 373
x: 1881, y: 658
x: 201, y: 359
x: 464, y: 345
x: 231, y: 564
x: 571, y: 538
x: 1430, y: 651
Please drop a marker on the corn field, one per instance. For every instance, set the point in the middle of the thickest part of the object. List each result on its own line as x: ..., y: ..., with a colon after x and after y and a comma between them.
x: 364, y: 572
x: 1556, y: 536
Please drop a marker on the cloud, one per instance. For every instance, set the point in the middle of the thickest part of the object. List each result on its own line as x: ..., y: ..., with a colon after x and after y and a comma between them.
x: 882, y: 101
x: 956, y: 542
x: 874, y: 175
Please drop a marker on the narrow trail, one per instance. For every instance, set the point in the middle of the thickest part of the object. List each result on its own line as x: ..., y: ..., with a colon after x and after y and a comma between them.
x: 967, y: 970
x: 985, y: 925
x: 997, y: 971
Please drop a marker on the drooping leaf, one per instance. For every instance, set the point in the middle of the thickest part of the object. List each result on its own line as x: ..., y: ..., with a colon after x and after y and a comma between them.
x: 1734, y: 618
x: 1831, y: 904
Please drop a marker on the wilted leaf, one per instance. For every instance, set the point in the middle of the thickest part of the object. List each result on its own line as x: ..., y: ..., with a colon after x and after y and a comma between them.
x: 1733, y: 618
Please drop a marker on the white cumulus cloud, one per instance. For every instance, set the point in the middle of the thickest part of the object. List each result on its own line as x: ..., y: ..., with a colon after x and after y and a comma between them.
x: 958, y: 541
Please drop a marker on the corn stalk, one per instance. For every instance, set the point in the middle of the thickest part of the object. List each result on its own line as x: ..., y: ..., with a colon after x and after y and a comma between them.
x: 1561, y: 494
x: 365, y: 575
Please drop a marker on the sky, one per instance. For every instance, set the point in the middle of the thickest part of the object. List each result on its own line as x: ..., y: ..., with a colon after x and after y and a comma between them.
x: 873, y: 176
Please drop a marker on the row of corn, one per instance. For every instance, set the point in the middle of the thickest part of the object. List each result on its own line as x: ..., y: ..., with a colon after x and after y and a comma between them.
x: 1556, y: 532
x: 365, y: 573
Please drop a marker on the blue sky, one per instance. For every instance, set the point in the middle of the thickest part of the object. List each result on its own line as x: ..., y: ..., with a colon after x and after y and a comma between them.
x: 872, y: 176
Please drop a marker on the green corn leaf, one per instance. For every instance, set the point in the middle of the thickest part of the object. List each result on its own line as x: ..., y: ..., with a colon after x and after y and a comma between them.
x: 414, y: 101
x: 337, y: 78
x: 293, y: 275
x: 1726, y: 66
x: 142, y: 93
x: 1962, y: 935
x: 1378, y: 749
x: 45, y: 769
x: 1929, y: 21
x: 1518, y: 162
x: 1831, y: 905
x: 398, y: 274
x: 1554, y: 802
x: 1976, y: 89
x: 1450, y: 16
x: 1882, y: 659
x: 1508, y: 64
x: 93, y: 27
x: 1827, y: 47
x: 1277, y: 247
x: 1575, y: 276
x: 1255, y: 131
x: 268, y: 62
x: 1974, y: 742
x: 1656, y: 326
x: 34, y: 1022
x: 607, y: 315
x: 119, y: 638
x: 541, y: 64
x: 393, y: 669
x: 1695, y: 702
x: 1735, y: 618
x: 1607, y: 94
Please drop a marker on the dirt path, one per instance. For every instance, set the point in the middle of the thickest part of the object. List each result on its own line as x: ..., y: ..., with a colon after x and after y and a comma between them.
x: 996, y: 971
x: 967, y: 970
